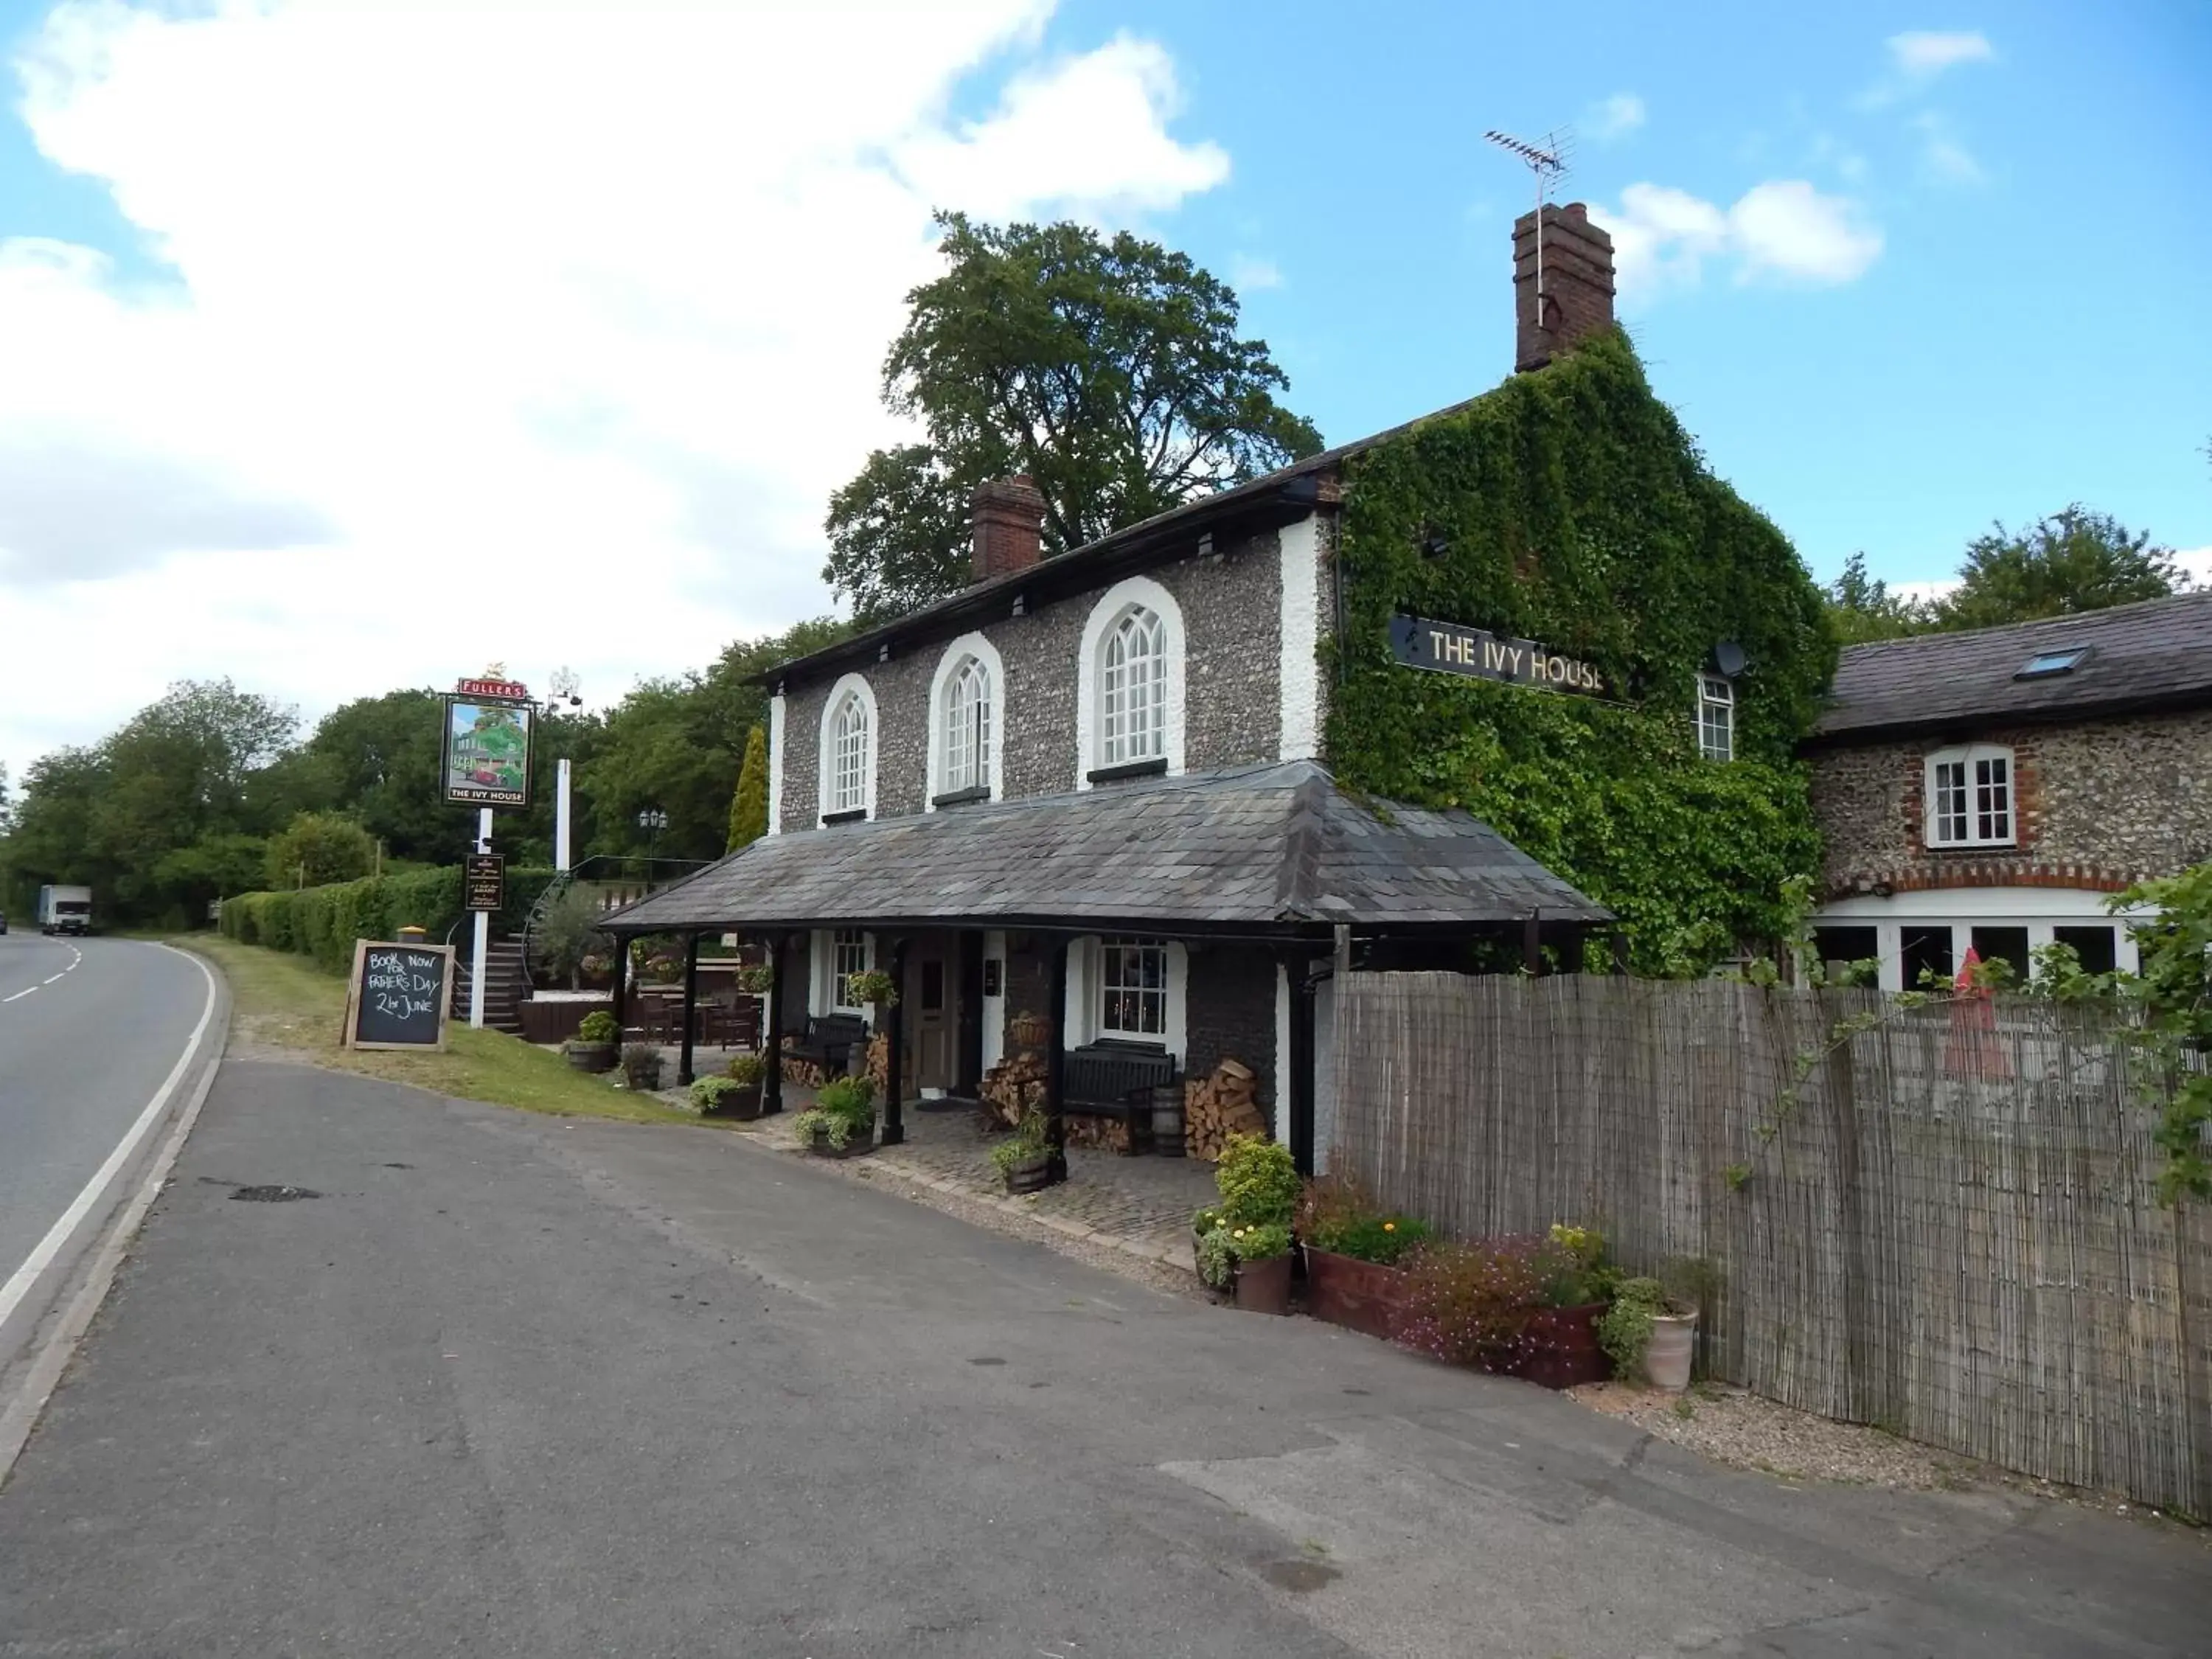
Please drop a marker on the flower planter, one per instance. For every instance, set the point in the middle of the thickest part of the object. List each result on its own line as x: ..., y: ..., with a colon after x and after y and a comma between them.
x: 1360, y: 1296
x: 1029, y: 1175
x: 1264, y: 1286
x: 856, y: 1147
x: 1559, y: 1347
x: 591, y: 1056
x: 1667, y: 1360
x: 742, y: 1103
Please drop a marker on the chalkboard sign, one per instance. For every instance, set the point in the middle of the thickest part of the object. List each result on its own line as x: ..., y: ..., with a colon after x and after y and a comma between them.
x: 397, y: 997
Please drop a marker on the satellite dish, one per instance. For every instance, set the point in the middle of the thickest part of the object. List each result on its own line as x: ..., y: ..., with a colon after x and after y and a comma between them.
x: 1728, y: 657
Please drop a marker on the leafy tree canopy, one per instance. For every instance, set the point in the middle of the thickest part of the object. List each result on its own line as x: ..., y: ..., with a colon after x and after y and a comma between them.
x: 2072, y: 562
x: 1109, y: 372
x: 1863, y: 607
x: 317, y: 847
x: 748, y: 810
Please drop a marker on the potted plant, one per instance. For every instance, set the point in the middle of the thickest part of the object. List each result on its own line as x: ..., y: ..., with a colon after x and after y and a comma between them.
x: 592, y: 1048
x: 842, y: 1122
x: 756, y: 979
x: 1023, y: 1159
x: 1202, y: 1222
x: 1250, y: 1232
x: 1263, y: 1266
x: 736, y: 1094
x: 1562, y: 1349
x: 641, y: 1063
x: 1470, y: 1304
x: 1029, y: 1030
x: 1651, y: 1330
x: 1352, y: 1255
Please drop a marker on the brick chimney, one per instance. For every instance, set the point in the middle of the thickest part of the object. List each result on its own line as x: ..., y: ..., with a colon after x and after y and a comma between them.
x: 1009, y: 527
x: 1578, y: 283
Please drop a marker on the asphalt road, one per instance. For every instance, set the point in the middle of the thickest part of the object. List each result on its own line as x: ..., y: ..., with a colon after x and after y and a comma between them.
x: 511, y: 1385
x: 89, y: 1030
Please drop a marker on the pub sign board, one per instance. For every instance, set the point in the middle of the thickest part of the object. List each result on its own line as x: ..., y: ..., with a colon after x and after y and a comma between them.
x: 484, y: 881
x: 486, y: 759
x: 398, y: 995
x: 1448, y: 648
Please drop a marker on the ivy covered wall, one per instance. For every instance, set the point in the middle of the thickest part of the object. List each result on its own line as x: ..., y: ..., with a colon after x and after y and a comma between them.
x: 1575, y: 511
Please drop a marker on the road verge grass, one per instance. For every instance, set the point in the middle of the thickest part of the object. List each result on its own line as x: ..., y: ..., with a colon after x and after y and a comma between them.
x: 283, y: 1006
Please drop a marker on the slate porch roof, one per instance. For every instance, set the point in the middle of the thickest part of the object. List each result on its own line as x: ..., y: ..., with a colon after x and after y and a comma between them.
x: 2154, y: 653
x: 1274, y: 849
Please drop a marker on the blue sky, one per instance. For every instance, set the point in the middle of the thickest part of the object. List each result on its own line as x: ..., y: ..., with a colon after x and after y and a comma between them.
x: 300, y: 293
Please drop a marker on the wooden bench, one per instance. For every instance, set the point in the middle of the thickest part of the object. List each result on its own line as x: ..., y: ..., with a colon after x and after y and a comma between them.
x: 1108, y: 1086
x: 825, y: 1050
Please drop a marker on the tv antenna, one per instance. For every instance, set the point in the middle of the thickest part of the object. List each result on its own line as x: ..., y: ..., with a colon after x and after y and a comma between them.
x: 1550, y: 161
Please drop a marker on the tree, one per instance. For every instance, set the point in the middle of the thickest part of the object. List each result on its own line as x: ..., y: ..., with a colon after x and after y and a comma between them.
x: 748, y: 810
x: 1862, y: 607
x: 317, y: 847
x: 2072, y: 562
x: 1109, y: 372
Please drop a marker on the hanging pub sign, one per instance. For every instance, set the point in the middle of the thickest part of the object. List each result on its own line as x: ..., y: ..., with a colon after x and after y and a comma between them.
x: 1448, y: 648
x: 487, y: 743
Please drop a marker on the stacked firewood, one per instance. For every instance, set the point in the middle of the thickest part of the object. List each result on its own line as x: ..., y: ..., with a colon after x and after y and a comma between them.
x: 1219, y: 1105
x: 806, y: 1073
x: 1013, y: 1087
x: 879, y: 1064
x: 1108, y: 1133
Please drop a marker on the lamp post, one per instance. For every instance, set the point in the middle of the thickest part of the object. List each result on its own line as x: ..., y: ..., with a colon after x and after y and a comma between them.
x: 652, y: 821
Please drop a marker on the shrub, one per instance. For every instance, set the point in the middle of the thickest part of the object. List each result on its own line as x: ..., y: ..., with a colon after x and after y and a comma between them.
x: 1470, y: 1304
x: 567, y: 935
x: 872, y: 989
x: 329, y: 846
x: 641, y: 1064
x: 1258, y: 1182
x: 1577, y: 1273
x: 1026, y: 1142
x: 1262, y: 1241
x: 707, y: 1093
x: 745, y: 1070
x: 1335, y: 1214
x: 845, y: 1106
x: 756, y: 979
x: 597, y: 1027
x: 1216, y: 1259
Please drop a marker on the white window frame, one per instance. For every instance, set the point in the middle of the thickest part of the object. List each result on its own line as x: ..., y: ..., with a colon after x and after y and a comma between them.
x: 1715, y: 717
x: 863, y: 945
x: 1086, y: 994
x: 850, y: 689
x: 1132, y: 687
x: 1974, y: 794
x: 976, y: 649
x: 1113, y: 608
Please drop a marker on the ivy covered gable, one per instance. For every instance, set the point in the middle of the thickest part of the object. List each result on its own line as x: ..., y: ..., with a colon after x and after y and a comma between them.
x: 1568, y: 507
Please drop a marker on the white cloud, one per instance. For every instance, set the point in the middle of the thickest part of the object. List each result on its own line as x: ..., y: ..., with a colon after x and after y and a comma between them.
x: 1943, y: 159
x: 1616, y: 118
x: 497, y: 331
x: 1923, y: 54
x: 1782, y: 230
x: 1249, y: 273
x: 2197, y: 564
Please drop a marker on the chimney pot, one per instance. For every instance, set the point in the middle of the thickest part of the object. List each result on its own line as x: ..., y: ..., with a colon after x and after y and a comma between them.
x: 1577, y: 272
x: 1009, y: 527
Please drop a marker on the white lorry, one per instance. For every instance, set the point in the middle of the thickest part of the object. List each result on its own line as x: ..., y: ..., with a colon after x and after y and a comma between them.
x: 65, y: 909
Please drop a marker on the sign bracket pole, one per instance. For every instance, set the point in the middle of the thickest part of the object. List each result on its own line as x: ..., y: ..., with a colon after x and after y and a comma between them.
x: 484, y: 933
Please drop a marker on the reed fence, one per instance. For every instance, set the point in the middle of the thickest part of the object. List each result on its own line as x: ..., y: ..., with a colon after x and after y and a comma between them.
x: 1949, y: 1228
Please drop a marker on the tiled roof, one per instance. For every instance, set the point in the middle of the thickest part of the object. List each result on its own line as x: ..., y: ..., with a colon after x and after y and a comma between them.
x: 1278, y: 848
x: 2158, y: 652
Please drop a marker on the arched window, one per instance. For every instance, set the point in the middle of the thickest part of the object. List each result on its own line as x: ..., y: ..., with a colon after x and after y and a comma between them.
x: 1132, y: 685
x: 849, y: 757
x: 967, y: 727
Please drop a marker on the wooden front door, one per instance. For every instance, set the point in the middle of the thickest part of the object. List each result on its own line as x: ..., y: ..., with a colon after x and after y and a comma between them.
x: 932, y: 978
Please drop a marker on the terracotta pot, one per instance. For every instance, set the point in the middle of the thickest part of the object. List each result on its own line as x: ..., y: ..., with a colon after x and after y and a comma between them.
x: 1667, y: 1360
x: 1360, y: 1296
x: 1264, y: 1286
x: 1560, y: 1347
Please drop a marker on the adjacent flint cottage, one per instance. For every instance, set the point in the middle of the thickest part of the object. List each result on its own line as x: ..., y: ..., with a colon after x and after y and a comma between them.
x: 1990, y: 791
x: 1148, y: 797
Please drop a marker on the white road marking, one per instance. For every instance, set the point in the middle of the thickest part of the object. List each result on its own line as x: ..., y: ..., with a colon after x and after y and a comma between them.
x: 19, y: 1283
x: 25, y: 992
x: 50, y: 978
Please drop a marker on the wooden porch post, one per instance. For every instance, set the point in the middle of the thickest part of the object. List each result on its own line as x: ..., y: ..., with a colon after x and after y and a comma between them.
x: 1300, y: 1061
x: 621, y: 987
x: 1055, y: 1067
x: 894, y: 1125
x: 772, y: 1038
x: 1532, y: 942
x: 690, y: 1010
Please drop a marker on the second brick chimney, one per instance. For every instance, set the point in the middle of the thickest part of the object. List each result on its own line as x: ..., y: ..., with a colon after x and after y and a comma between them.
x: 1009, y: 527
x: 1577, y: 275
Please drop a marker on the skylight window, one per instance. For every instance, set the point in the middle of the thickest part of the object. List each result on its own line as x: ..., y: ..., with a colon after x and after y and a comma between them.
x: 2052, y: 663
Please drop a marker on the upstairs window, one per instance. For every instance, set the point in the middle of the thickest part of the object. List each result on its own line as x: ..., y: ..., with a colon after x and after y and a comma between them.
x: 1133, y: 690
x: 849, y: 757
x: 1970, y: 797
x: 1715, y: 718
x: 967, y: 727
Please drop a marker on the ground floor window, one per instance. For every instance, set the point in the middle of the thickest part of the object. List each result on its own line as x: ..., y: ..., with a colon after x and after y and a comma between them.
x: 2096, y: 946
x: 1133, y: 987
x: 1923, y: 938
x: 848, y: 955
x: 1847, y: 945
x: 2005, y: 945
x: 1926, y: 956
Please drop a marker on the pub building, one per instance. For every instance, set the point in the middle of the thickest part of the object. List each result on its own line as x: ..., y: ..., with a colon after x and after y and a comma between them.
x: 1089, y: 799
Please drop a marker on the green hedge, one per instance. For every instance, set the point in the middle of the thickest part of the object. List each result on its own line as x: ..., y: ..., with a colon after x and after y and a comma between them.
x: 323, y: 922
